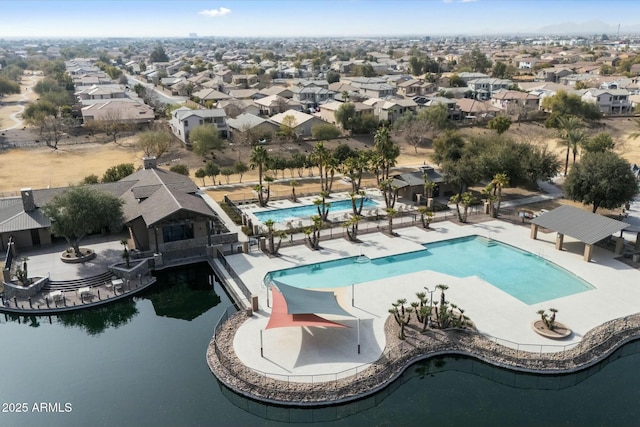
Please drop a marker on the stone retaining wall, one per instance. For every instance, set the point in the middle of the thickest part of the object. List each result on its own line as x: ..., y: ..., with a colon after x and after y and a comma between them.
x: 596, y: 345
x: 14, y: 290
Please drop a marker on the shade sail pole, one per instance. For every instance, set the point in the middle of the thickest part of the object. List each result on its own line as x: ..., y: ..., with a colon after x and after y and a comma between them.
x: 353, y: 295
x: 358, y: 336
x: 261, y: 348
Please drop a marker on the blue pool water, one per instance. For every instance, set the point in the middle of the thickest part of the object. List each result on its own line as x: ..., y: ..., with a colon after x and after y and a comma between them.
x: 521, y: 274
x: 306, y: 211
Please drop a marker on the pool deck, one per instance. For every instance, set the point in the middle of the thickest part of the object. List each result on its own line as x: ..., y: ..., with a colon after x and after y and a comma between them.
x: 300, y: 352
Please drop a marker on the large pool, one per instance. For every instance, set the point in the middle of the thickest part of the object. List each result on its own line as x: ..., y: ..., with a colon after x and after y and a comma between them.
x: 306, y: 211
x: 521, y: 274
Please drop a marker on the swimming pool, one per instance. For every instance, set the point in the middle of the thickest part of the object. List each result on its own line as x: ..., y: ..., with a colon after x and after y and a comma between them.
x: 521, y: 274
x: 306, y: 211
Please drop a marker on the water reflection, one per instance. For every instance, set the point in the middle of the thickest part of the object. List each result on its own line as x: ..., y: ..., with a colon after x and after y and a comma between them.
x: 96, y: 320
x: 425, y: 376
x: 183, y: 293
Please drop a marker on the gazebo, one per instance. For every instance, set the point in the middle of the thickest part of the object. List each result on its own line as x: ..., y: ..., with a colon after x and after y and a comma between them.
x: 584, y: 226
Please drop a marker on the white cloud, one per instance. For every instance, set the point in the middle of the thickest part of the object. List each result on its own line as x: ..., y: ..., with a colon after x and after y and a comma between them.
x: 215, y: 12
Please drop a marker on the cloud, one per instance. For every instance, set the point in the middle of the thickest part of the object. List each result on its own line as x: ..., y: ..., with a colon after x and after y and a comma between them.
x: 215, y: 12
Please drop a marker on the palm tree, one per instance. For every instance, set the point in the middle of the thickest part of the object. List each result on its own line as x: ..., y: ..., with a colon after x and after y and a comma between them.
x: 273, y: 247
x: 293, y: 183
x: 391, y: 212
x: 426, y: 216
x: 322, y: 206
x: 465, y: 199
x: 572, y: 136
x: 259, y: 159
x: 320, y: 156
x: 313, y: 232
x: 387, y: 149
x: 429, y: 186
x: 352, y: 227
x: 499, y: 181
x: 269, y: 180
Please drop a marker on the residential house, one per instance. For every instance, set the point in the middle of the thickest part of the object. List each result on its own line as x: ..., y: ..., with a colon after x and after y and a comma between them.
x: 483, y: 88
x: 390, y: 110
x: 274, y: 104
x: 233, y: 107
x: 101, y: 92
x: 303, y: 122
x: 244, y: 81
x: 277, y: 90
x: 468, y: 76
x: 93, y: 79
x: 473, y: 109
x: 310, y: 97
x: 328, y: 110
x: 413, y: 87
x: 609, y: 101
x: 425, y: 102
x: 212, y: 95
x: 245, y: 94
x: 184, y: 120
x: 526, y: 62
x: 118, y: 110
x: 515, y: 102
x: 553, y: 74
x: 257, y: 126
x: 225, y: 75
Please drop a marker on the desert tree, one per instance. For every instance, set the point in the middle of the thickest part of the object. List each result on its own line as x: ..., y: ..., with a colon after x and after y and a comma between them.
x: 154, y: 143
x: 82, y: 210
x: 601, y: 179
x: 180, y: 168
x: 205, y: 138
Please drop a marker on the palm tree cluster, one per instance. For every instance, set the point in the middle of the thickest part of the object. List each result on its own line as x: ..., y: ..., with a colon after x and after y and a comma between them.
x: 351, y: 163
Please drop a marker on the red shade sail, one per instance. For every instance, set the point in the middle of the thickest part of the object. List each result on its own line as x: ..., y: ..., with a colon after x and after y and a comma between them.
x: 280, y: 318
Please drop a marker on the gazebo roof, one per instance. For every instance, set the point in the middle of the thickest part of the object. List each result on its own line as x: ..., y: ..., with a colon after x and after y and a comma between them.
x: 585, y: 226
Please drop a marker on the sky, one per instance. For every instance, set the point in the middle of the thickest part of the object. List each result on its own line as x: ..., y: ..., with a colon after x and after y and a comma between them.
x: 312, y: 18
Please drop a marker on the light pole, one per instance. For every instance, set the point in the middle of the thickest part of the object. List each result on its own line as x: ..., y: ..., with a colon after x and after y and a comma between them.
x: 430, y: 303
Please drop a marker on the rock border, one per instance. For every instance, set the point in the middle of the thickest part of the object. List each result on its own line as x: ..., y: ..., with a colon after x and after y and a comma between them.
x: 596, y: 345
x: 86, y: 254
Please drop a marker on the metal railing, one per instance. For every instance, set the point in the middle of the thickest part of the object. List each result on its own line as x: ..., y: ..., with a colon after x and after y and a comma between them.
x: 243, y: 288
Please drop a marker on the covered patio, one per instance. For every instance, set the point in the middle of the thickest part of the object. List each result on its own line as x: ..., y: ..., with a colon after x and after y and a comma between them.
x: 587, y: 227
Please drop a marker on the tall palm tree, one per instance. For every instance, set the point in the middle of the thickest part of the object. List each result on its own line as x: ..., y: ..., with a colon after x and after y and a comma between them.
x: 571, y: 135
x: 388, y: 150
x: 320, y: 156
x: 293, y: 183
x: 259, y: 159
x: 499, y: 181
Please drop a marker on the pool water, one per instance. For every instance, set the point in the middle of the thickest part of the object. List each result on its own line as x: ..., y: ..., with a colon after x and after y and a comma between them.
x: 306, y: 211
x: 521, y: 274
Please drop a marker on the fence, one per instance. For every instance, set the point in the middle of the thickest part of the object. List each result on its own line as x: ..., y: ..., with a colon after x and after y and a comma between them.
x: 243, y: 288
x: 595, y: 346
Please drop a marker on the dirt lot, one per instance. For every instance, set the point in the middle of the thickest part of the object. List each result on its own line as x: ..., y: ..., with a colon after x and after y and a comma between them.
x: 78, y: 156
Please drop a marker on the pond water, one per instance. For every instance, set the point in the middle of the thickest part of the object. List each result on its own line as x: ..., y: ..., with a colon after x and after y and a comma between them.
x: 141, y: 362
